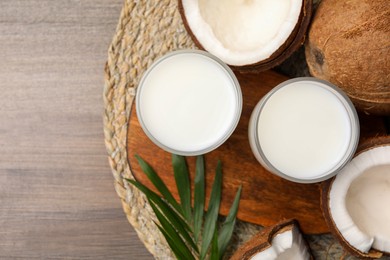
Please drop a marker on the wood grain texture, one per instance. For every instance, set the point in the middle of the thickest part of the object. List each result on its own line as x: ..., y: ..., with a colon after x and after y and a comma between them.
x: 56, y: 189
x: 266, y: 198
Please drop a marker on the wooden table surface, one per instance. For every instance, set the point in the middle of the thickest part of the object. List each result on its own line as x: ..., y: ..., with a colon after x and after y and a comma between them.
x: 57, y: 199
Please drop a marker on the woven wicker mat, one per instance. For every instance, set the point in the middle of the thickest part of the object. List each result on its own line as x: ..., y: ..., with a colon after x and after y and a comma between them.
x: 148, y: 29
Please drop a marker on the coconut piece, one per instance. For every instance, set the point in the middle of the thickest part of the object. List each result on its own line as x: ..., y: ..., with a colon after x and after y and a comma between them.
x: 282, y: 241
x: 355, y: 202
x: 254, y: 34
x: 348, y: 45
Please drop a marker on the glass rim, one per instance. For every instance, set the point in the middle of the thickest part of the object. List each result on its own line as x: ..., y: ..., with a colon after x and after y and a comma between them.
x: 237, y: 94
x: 354, y: 131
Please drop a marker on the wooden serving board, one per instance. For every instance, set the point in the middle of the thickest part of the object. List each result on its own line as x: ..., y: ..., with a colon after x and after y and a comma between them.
x: 266, y: 199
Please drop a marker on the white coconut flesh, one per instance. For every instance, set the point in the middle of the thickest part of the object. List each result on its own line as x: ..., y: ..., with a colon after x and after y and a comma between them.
x: 359, y: 200
x: 285, y: 246
x: 242, y: 32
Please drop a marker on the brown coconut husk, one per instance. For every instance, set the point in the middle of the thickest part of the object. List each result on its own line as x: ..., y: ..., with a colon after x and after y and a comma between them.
x: 348, y: 45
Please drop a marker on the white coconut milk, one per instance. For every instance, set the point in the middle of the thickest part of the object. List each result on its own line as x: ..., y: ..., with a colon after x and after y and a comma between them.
x: 304, y: 130
x: 189, y: 102
x: 288, y: 245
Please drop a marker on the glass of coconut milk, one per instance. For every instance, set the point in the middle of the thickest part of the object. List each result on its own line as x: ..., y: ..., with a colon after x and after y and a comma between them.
x: 304, y: 130
x: 188, y: 102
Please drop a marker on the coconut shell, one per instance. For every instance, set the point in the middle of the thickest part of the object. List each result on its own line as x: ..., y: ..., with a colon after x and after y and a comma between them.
x: 370, y: 127
x: 348, y: 45
x: 296, y: 39
x: 325, y: 191
x: 373, y: 142
x: 263, y: 240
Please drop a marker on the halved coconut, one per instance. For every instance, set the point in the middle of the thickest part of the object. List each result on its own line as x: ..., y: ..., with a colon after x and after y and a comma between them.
x: 348, y: 45
x: 356, y: 202
x: 256, y: 34
x: 282, y: 241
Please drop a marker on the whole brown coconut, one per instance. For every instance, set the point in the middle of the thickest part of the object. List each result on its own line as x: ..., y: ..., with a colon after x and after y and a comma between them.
x: 349, y: 45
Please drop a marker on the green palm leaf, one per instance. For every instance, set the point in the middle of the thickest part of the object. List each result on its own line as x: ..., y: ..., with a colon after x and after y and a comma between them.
x: 228, y: 226
x: 198, y: 196
x: 175, y: 249
x: 212, y: 211
x: 172, y: 233
x: 214, y: 254
x: 180, y: 171
x: 174, y: 218
x: 158, y: 183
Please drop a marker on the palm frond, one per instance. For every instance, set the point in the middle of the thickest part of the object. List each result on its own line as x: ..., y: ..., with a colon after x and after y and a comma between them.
x: 181, y: 224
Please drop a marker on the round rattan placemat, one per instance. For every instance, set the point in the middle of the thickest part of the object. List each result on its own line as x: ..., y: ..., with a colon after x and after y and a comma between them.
x: 148, y: 29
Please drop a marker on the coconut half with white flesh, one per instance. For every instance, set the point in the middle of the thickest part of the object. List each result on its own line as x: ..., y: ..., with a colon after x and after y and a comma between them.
x: 283, y: 241
x: 356, y: 203
x: 247, y: 34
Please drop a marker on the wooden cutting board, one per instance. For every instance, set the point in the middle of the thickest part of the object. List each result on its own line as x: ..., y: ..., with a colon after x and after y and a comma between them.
x: 266, y: 199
